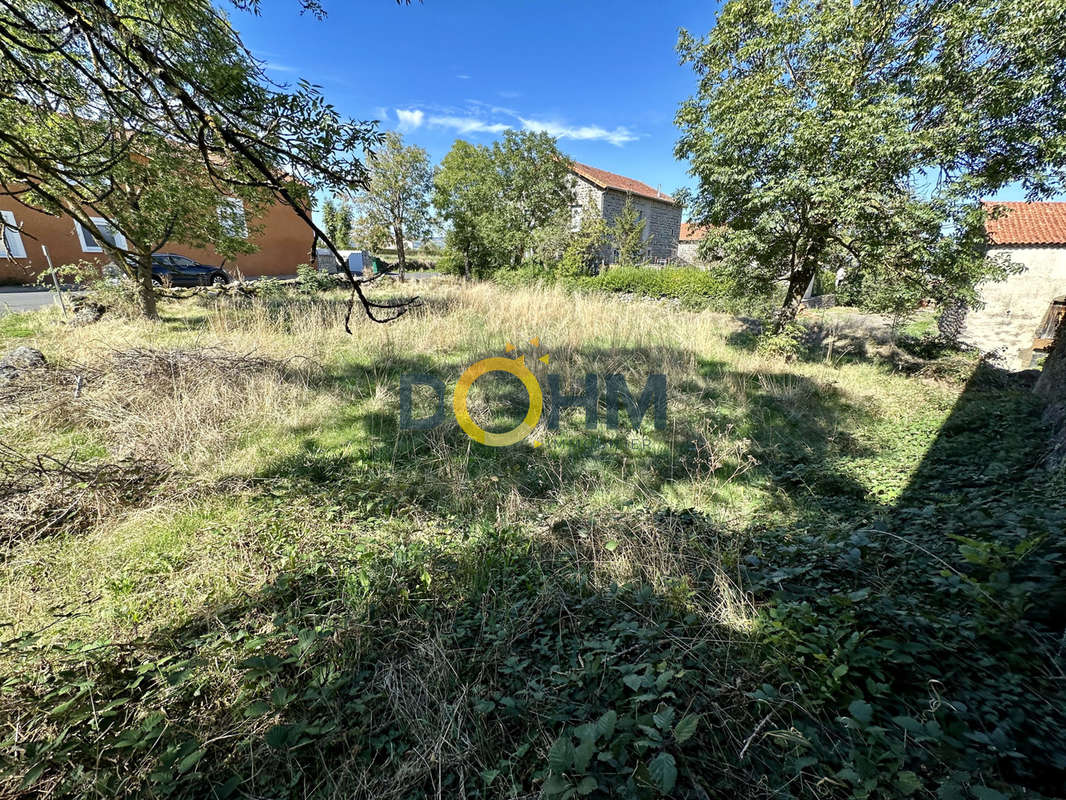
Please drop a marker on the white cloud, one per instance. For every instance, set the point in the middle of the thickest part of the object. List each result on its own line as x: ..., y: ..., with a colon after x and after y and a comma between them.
x: 479, y: 117
x: 410, y: 118
x: 469, y: 124
x: 617, y: 137
x: 463, y: 77
x: 275, y: 67
x: 509, y: 94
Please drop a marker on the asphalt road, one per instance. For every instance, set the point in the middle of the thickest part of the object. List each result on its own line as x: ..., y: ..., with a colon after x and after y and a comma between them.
x: 16, y: 298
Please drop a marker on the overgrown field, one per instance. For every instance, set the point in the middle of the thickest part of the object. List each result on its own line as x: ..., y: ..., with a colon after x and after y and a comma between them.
x: 837, y: 572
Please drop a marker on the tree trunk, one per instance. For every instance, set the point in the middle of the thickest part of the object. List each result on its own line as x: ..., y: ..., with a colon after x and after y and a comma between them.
x: 466, y: 265
x: 1051, y: 385
x: 400, y: 255
x: 145, y: 288
x: 798, y: 282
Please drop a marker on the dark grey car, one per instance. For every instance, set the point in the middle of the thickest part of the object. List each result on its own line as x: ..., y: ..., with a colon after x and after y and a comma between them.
x: 170, y: 269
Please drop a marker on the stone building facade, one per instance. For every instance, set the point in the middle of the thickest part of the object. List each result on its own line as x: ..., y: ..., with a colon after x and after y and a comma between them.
x: 605, y: 193
x: 688, y: 246
x: 1033, y: 236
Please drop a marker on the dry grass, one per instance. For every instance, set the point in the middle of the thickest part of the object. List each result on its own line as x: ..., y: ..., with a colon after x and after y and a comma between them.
x: 276, y: 458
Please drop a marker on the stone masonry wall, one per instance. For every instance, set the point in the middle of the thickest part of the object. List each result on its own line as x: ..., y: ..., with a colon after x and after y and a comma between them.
x: 663, y: 226
x: 1014, y: 307
x: 689, y: 252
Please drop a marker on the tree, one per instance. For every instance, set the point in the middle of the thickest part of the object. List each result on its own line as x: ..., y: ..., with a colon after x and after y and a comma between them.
x: 397, y: 194
x: 462, y: 195
x: 828, y: 132
x: 531, y: 176
x: 174, y: 71
x: 627, y: 234
x: 495, y: 198
x: 337, y: 218
x: 159, y: 193
x: 368, y: 235
x: 585, y: 246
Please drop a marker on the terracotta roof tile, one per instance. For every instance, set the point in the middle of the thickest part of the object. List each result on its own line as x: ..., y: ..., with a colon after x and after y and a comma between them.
x: 692, y: 233
x: 609, y: 180
x: 1027, y: 223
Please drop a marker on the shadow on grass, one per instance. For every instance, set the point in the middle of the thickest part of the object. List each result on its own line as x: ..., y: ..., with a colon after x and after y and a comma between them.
x: 405, y: 672
x: 891, y: 647
x: 749, y: 428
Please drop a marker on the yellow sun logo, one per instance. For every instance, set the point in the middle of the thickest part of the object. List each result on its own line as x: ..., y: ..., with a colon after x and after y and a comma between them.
x: 515, y: 366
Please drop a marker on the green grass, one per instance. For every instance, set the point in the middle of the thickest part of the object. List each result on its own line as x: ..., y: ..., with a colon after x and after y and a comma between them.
x: 825, y: 577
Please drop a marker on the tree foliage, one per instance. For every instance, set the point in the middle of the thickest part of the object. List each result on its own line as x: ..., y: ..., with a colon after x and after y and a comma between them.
x: 174, y: 71
x: 495, y: 198
x: 369, y: 235
x: 858, y: 133
x: 396, y: 196
x: 337, y: 218
x: 585, y: 246
x: 627, y: 234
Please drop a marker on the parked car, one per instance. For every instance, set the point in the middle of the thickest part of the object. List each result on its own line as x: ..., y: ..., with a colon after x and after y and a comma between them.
x: 170, y: 269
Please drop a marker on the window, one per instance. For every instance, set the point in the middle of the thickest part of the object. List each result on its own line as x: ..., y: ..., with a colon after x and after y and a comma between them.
x: 231, y: 217
x: 88, y: 240
x: 11, y: 240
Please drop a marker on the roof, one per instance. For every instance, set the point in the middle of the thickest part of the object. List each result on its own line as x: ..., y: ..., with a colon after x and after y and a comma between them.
x: 692, y: 233
x: 609, y: 180
x: 1027, y: 223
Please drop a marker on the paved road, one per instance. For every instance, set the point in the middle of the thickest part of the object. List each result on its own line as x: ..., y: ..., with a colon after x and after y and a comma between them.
x: 21, y: 298
x: 16, y: 298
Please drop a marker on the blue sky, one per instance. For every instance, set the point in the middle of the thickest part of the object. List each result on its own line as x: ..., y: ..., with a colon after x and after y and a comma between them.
x: 602, y: 75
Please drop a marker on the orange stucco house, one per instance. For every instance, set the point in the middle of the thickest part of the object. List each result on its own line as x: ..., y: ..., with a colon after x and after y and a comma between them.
x: 284, y: 242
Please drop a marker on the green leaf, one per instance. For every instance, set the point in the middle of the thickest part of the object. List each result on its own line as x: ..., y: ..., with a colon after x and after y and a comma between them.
x: 663, y: 717
x: 984, y: 793
x: 583, y: 755
x: 611, y: 546
x: 861, y: 711
x: 34, y: 773
x: 278, y: 736
x: 561, y: 756
x: 663, y: 771
x: 555, y: 785
x: 587, y: 786
x: 633, y: 681
x: 685, y: 729
x: 605, y: 724
x: 908, y: 782
x: 190, y: 760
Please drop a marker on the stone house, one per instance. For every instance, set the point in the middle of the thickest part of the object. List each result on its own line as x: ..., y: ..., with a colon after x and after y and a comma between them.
x: 1033, y: 236
x: 605, y: 193
x: 688, y: 246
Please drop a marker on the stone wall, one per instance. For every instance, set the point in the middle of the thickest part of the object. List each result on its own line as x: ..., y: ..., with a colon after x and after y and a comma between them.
x: 663, y: 221
x: 587, y: 197
x: 1014, y: 308
x: 689, y: 252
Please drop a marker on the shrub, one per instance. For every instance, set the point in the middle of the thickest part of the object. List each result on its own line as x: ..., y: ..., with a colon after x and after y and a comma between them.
x: 313, y: 280
x: 695, y: 288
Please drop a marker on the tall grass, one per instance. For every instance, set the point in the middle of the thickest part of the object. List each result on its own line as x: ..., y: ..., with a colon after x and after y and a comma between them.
x: 308, y: 601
